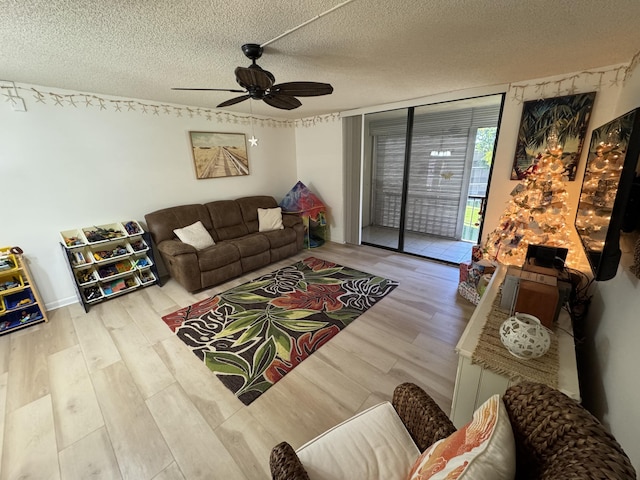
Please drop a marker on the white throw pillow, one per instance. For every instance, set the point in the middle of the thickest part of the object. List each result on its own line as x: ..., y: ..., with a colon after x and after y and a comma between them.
x: 484, y: 449
x: 270, y: 219
x: 195, y: 235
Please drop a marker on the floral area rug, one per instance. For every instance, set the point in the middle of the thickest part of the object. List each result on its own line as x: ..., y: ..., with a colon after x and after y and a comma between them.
x: 252, y: 335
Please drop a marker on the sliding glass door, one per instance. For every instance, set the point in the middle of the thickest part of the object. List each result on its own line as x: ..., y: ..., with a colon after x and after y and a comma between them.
x: 384, y: 179
x: 426, y: 176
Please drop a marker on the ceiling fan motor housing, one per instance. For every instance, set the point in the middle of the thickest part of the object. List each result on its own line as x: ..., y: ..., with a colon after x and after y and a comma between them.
x: 252, y: 51
x: 256, y: 93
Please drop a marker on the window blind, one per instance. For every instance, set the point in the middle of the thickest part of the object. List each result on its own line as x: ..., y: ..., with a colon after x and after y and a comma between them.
x: 439, y: 161
x: 435, y: 123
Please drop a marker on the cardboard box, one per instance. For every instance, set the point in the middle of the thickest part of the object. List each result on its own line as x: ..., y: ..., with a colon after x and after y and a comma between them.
x: 538, y: 299
x: 531, y: 292
x: 532, y: 276
x: 552, y: 272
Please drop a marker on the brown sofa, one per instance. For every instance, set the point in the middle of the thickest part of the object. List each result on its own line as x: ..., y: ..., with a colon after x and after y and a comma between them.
x: 239, y: 247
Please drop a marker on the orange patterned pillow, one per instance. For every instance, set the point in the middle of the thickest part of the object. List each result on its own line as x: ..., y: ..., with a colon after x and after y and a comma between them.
x: 482, y: 449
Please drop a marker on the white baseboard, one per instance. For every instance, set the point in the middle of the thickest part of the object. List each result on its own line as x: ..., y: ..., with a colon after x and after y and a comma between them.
x: 61, y: 303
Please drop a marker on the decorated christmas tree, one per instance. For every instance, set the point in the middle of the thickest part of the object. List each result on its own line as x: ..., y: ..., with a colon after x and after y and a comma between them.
x: 537, y: 211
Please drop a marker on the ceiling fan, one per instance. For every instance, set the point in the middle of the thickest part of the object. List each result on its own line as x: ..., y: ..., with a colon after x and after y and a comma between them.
x: 258, y: 84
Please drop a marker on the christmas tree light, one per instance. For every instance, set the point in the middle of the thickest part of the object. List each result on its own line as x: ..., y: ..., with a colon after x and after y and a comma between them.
x: 537, y: 211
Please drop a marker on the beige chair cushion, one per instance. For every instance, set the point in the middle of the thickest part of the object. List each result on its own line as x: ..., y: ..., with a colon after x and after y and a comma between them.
x: 195, y: 235
x: 371, y: 445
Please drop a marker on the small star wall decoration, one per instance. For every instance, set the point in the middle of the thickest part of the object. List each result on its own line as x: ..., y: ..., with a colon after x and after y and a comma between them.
x: 38, y: 96
x: 253, y: 141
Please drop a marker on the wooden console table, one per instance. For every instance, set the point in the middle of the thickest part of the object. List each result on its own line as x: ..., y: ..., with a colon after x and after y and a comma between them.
x: 475, y: 384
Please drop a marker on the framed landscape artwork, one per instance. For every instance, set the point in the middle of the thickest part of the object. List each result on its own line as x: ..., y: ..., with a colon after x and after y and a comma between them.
x: 218, y: 155
x: 556, y: 125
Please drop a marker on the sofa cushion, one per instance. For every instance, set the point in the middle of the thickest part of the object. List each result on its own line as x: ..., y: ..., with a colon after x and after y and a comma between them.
x: 372, y: 444
x: 249, y: 207
x: 484, y: 449
x: 221, y: 254
x: 226, y: 219
x: 195, y: 235
x: 270, y: 219
x: 251, y: 244
x: 280, y: 238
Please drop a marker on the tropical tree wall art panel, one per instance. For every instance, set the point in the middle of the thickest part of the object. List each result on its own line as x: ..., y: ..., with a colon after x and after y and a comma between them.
x: 556, y: 126
x: 219, y: 154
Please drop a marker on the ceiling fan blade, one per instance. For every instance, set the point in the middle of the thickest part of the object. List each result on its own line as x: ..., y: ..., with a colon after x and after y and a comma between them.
x: 254, y: 77
x: 211, y: 89
x: 302, y: 89
x: 283, y: 102
x: 233, y: 101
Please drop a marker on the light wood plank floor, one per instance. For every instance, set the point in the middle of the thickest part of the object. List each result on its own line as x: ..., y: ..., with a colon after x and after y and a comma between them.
x: 113, y: 394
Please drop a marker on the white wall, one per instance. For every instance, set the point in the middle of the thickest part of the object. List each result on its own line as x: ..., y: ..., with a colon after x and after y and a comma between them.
x: 66, y: 167
x: 611, y: 389
x: 319, y: 166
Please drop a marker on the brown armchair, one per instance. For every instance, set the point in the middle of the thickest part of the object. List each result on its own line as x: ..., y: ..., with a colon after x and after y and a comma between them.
x: 556, y: 438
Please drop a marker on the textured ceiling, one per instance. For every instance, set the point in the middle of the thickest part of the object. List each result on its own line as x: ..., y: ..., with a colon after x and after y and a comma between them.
x: 371, y: 51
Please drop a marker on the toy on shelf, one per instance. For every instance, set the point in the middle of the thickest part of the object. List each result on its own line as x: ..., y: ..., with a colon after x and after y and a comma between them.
x: 142, y: 262
x: 73, y: 241
x: 92, y: 293
x: 147, y: 276
x: 101, y: 234
x: 132, y: 228
x: 115, y: 269
x: 85, y: 276
x: 7, y: 263
x: 118, y: 251
x: 139, y: 246
x: 10, y: 284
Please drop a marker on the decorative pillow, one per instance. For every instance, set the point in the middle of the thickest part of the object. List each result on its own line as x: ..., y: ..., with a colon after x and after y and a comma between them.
x: 270, y: 219
x: 195, y: 235
x: 484, y: 449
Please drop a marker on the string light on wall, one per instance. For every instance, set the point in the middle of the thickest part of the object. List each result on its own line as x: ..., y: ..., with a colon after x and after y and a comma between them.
x: 567, y: 85
x: 11, y: 91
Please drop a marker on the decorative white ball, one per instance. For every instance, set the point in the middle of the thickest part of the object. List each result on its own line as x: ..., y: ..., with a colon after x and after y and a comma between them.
x: 524, y: 336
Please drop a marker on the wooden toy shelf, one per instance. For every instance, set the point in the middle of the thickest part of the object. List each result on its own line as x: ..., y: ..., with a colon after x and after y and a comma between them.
x: 20, y: 302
